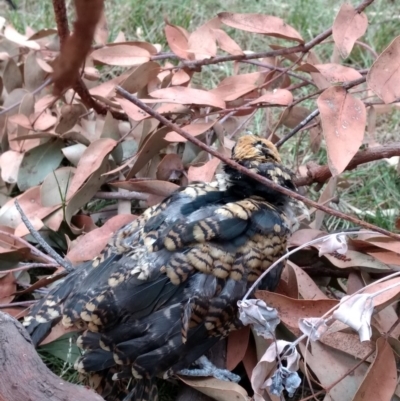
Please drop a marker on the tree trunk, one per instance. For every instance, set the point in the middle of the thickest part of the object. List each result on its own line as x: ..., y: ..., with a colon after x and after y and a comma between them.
x: 23, y: 375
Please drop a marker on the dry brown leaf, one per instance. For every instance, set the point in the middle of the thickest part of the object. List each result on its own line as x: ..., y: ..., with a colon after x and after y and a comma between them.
x: 8, y: 286
x: 343, y: 119
x: 154, y: 187
x: 43, y: 121
x: 193, y: 129
x: 226, y: 43
x: 56, y: 332
x: 170, y: 168
x: 202, y: 41
x: 233, y: 87
x: 180, y: 77
x: 384, y: 75
x: 236, y: 348
x: 281, y: 97
x: 292, y: 116
x: 291, y: 310
x: 381, y: 379
x: 334, y: 73
x: 87, y: 246
x: 204, y: 173
x: 134, y: 112
x: 330, y: 365
x: 9, y: 165
x: 121, y: 55
x: 184, y: 95
x: 307, y: 287
x: 140, y: 77
x: 177, y: 38
x: 217, y: 389
x: 259, y: 23
x: 91, y: 160
x: 327, y: 193
x: 70, y: 114
x: 349, y: 25
x: 11, y: 34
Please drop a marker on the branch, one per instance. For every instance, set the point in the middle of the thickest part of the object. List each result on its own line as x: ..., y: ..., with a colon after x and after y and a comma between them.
x: 132, y: 195
x: 279, y: 52
x: 67, y: 266
x: 247, y: 172
x: 321, y: 174
x: 24, y: 376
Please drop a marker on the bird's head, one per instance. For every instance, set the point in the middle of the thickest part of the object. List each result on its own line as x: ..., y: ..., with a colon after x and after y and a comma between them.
x: 252, y: 149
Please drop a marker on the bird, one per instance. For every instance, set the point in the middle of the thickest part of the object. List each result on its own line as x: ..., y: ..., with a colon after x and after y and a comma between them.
x: 165, y: 288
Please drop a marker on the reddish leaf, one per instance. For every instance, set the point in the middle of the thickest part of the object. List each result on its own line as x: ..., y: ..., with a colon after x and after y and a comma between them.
x: 280, y: 97
x: 170, y: 166
x: 204, y: 173
x: 155, y: 187
x: 8, y: 287
x: 91, y: 160
x: 56, y: 332
x: 381, y: 379
x: 202, y: 41
x: 177, y: 39
x: 180, y: 94
x: 349, y: 25
x: 121, y: 55
x: 343, y: 120
x: 258, y: 23
x: 87, y: 246
x: 134, y: 112
x: 140, y: 77
x: 333, y: 72
x: 384, y: 75
x: 226, y: 43
x: 237, y: 345
x: 180, y: 77
x: 192, y: 129
x: 236, y: 86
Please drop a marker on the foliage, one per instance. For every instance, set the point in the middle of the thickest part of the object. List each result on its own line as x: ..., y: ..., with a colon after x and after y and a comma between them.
x: 65, y: 145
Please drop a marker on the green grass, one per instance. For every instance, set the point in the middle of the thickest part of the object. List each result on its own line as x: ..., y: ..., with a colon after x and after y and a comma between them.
x: 372, y: 188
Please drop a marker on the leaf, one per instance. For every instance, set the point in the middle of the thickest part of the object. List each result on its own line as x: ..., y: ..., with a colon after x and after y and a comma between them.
x: 33, y: 73
x: 349, y: 25
x: 204, y: 173
x: 10, y: 162
x: 233, y: 87
x: 63, y: 348
x: 325, y: 197
x: 193, y: 129
x: 11, y: 34
x: 217, y: 389
x: 258, y: 23
x: 177, y: 39
x: 74, y: 153
x: 134, y: 112
x: 182, y: 95
x: 331, y: 366
x: 381, y: 379
x: 281, y: 97
x: 334, y: 73
x: 8, y: 287
x: 155, y: 187
x: 38, y: 163
x: 140, y: 77
x: 12, y: 77
x: 236, y: 348
x: 343, y: 119
x: 91, y: 161
x: 87, y: 246
x: 359, y: 260
x: 170, y: 167
x: 54, y: 189
x: 121, y: 55
x: 291, y: 310
x: 384, y: 75
x: 226, y: 43
x: 69, y: 117
x: 201, y: 42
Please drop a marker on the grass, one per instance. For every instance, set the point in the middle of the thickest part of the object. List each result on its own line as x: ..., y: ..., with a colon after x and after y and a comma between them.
x: 367, y: 192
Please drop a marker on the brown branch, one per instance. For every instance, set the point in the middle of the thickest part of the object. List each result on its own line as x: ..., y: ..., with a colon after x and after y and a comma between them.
x: 247, y: 172
x: 321, y: 174
x: 24, y: 376
x: 279, y: 52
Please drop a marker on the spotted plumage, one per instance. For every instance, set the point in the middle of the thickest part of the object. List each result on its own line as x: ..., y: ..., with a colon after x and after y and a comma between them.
x: 166, y: 287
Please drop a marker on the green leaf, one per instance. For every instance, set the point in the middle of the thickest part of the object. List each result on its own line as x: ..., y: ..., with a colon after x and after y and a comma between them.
x: 63, y: 348
x: 38, y: 163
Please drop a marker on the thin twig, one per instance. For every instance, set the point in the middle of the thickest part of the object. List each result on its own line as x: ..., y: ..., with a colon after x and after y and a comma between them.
x: 28, y: 266
x: 67, y: 266
x: 132, y: 195
x: 247, y: 172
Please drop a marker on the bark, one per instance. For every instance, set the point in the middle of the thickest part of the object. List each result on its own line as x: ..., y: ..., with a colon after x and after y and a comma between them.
x: 23, y: 375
